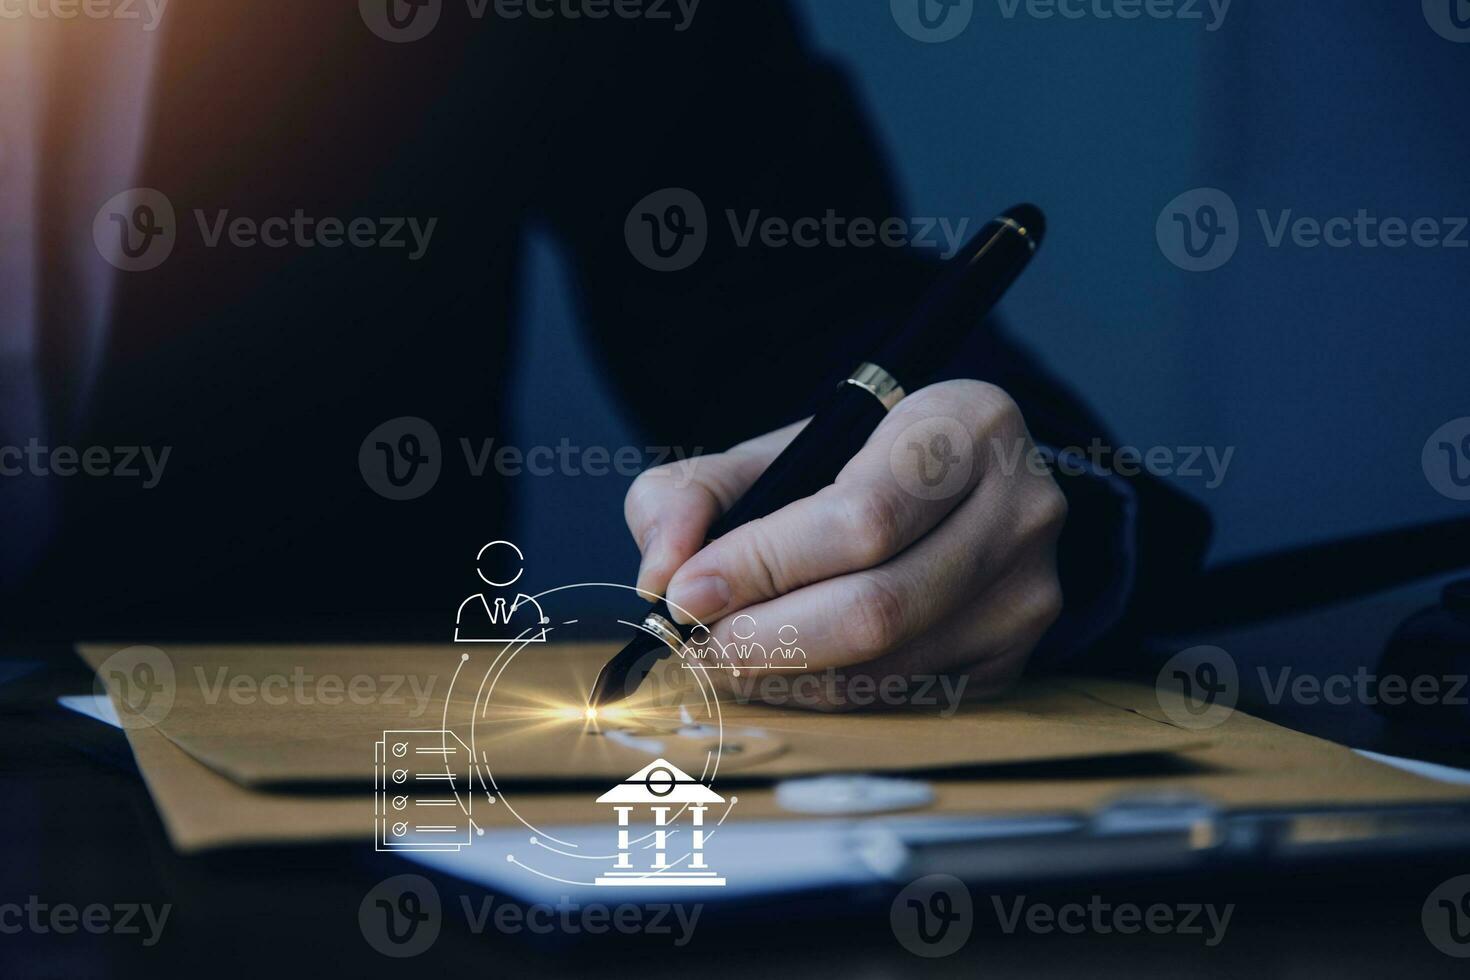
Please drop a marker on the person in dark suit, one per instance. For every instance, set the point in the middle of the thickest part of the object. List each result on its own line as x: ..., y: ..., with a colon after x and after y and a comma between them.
x: 290, y: 139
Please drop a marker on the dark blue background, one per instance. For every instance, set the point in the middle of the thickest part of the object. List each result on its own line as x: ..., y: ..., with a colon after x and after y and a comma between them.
x: 1326, y: 369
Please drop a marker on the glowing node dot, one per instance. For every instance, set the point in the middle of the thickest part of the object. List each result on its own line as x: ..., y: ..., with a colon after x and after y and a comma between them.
x: 533, y: 840
x: 591, y: 714
x: 511, y: 858
x: 464, y: 656
x: 480, y: 831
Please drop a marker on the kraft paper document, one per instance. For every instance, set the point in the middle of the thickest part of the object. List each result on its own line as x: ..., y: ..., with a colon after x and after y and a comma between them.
x: 229, y: 716
x: 254, y: 773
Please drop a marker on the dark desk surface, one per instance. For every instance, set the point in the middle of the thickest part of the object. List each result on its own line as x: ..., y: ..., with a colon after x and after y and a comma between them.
x: 79, y: 828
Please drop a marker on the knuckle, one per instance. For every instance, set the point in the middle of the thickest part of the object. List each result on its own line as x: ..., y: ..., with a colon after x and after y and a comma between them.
x: 1000, y: 413
x: 1049, y: 509
x: 1046, y: 607
x: 875, y: 624
x: 872, y: 526
x: 642, y: 495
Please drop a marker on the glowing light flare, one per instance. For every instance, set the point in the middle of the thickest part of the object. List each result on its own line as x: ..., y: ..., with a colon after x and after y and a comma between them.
x: 588, y: 713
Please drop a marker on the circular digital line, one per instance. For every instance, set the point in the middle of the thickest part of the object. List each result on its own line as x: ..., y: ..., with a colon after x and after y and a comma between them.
x: 712, y: 759
x: 500, y: 793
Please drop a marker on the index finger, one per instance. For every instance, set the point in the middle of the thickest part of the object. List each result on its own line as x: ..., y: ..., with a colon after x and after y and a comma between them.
x: 670, y: 508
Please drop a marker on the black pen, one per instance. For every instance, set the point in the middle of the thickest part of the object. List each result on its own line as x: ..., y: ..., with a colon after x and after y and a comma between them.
x: 970, y: 285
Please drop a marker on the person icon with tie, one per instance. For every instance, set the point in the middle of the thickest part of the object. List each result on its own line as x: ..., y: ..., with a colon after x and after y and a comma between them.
x: 485, y: 618
x: 786, y: 654
x: 749, y: 653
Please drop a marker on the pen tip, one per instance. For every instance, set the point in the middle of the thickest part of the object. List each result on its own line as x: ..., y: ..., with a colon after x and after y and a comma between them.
x: 1029, y: 217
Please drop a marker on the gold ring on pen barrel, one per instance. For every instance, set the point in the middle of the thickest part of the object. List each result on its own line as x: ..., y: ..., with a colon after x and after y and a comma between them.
x: 879, y: 383
x: 665, y: 631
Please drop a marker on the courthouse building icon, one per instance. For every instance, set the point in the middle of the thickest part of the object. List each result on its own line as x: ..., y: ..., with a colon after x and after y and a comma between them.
x: 666, y: 790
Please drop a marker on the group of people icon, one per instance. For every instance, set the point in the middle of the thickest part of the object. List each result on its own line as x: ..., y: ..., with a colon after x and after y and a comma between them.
x: 744, y: 651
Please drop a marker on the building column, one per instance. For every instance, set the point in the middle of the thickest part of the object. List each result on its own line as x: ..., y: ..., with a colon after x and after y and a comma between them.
x: 624, y: 813
x: 660, y: 836
x: 696, y: 858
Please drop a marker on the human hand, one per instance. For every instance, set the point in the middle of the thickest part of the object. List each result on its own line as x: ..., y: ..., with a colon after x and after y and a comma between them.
x: 934, y: 552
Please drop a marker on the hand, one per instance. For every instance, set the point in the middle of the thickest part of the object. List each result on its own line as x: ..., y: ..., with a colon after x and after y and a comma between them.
x: 934, y: 552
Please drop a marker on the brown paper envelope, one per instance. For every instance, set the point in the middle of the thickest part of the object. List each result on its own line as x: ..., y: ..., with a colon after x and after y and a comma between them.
x: 262, y: 717
x: 1251, y: 763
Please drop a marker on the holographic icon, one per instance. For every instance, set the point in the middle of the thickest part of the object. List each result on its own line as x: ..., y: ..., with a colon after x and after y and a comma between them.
x: 486, y: 619
x: 667, y: 792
